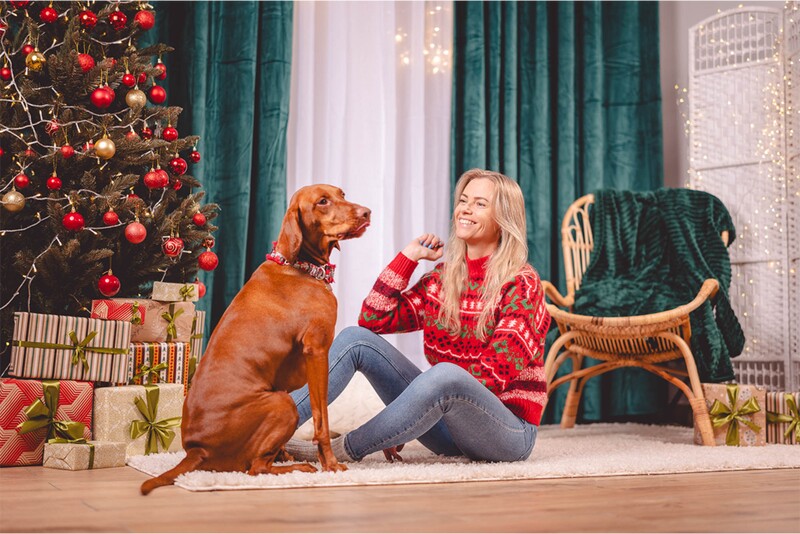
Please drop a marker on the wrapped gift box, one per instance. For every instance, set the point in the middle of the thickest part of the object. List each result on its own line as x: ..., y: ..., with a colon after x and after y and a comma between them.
x: 157, y: 317
x: 783, y: 419
x: 737, y: 414
x: 80, y: 456
x: 74, y: 404
x: 198, y: 333
x: 117, y: 413
x: 73, y: 348
x: 130, y: 310
x: 171, y: 292
x: 151, y: 363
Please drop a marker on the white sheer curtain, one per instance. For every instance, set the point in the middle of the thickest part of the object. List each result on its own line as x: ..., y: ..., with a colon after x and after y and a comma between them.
x: 370, y: 112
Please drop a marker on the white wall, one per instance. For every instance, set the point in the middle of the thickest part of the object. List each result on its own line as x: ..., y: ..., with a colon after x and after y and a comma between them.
x: 676, y: 18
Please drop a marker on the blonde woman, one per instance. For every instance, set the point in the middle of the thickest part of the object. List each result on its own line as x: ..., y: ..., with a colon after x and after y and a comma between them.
x: 484, y: 320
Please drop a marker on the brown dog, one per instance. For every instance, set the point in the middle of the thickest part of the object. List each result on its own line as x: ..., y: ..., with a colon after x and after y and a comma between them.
x: 273, y: 338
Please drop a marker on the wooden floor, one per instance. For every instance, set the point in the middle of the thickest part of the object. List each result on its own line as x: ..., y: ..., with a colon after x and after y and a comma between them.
x: 34, y: 499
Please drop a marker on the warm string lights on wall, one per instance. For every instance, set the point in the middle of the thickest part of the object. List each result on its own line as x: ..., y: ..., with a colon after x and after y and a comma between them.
x: 436, y: 51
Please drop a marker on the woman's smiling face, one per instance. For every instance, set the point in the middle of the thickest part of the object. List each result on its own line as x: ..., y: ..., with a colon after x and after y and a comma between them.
x: 474, y: 218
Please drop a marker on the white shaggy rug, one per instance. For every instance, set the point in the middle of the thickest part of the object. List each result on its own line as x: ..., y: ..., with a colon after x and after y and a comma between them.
x: 590, y: 450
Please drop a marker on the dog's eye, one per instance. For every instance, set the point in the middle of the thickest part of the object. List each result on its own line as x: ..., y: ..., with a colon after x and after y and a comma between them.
x: 323, y: 202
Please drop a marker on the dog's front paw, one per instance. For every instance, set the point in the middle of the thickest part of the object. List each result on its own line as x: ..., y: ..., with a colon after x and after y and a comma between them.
x: 335, y: 466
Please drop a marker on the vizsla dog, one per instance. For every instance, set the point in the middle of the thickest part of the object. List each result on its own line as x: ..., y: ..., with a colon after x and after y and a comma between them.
x: 273, y: 338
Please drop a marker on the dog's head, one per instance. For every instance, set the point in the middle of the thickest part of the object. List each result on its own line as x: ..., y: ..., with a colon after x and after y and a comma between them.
x: 317, y: 219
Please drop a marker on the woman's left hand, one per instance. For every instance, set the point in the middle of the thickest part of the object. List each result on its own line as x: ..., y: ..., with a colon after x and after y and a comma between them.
x: 391, y: 453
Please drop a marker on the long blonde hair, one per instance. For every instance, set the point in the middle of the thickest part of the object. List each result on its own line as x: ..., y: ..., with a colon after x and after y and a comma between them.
x: 505, y: 263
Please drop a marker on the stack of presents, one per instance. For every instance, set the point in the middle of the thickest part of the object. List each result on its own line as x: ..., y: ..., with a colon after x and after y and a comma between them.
x: 91, y: 392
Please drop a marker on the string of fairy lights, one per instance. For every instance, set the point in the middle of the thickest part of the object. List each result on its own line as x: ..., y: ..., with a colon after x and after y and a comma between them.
x: 100, y: 147
x: 436, y: 51
x: 763, y: 224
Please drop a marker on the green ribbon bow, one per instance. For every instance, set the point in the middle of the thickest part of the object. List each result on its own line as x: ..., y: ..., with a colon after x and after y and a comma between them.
x: 42, y: 414
x: 192, y: 369
x: 80, y: 441
x: 136, y: 314
x: 793, y: 418
x: 79, y: 348
x: 170, y: 316
x: 187, y: 291
x: 722, y: 415
x: 157, y: 431
x: 145, y: 371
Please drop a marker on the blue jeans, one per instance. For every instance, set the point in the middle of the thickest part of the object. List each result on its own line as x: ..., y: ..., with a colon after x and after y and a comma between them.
x: 445, y: 407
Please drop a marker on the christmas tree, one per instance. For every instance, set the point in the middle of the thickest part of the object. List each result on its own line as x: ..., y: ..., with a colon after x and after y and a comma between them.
x: 96, y: 194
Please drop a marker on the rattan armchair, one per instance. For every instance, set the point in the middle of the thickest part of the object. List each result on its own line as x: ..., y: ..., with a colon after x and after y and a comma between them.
x: 644, y: 341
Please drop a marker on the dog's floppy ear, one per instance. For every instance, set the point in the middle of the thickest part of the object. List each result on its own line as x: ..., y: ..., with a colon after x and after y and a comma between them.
x: 291, y: 236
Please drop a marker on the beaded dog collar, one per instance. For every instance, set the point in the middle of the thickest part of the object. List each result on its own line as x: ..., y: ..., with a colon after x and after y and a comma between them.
x: 320, y: 272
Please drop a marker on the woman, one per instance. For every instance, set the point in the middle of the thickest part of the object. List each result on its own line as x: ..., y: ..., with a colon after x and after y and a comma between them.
x: 484, y: 321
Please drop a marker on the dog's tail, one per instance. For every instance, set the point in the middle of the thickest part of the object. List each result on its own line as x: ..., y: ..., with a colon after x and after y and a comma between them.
x: 193, y: 460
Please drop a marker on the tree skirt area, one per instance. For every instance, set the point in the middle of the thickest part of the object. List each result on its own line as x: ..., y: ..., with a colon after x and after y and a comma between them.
x: 584, y: 451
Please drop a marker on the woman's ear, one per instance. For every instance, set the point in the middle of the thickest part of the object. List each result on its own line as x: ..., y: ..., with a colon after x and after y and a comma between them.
x: 291, y: 236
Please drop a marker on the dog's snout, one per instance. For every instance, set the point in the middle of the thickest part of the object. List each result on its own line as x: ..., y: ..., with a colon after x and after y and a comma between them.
x: 363, y: 213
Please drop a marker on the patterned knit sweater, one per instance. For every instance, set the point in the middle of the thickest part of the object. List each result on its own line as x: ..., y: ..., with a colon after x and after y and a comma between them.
x: 509, y: 362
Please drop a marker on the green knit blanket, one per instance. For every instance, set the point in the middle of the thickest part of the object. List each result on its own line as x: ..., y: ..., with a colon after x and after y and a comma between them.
x: 652, y: 252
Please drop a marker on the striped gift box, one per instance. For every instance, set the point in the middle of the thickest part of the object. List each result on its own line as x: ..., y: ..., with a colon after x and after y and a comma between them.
x: 172, y: 357
x: 70, y: 348
x: 782, y: 417
x: 198, y: 333
x: 130, y: 310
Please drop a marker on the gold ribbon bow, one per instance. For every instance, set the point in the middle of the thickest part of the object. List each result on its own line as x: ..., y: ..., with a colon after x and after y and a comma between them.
x: 79, y: 348
x: 793, y: 418
x: 722, y: 415
x: 145, y: 371
x: 157, y: 431
x: 42, y: 414
x: 80, y: 441
x: 187, y: 291
x: 170, y: 316
x: 136, y: 314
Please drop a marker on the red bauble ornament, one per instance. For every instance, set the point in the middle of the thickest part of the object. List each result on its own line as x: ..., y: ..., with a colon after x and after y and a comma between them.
x: 145, y: 19
x: 178, y: 166
x: 169, y: 134
x: 48, y: 15
x: 110, y: 218
x: 177, y: 185
x: 147, y: 133
x: 135, y: 232
x: 73, y: 221
x: 27, y: 49
x: 87, y: 146
x: 86, y: 62
x: 19, y: 4
x: 163, y: 68
x: 3, y: 28
x: 67, y: 151
x: 201, y: 288
x: 128, y: 79
x: 102, y: 97
x: 199, y: 219
x: 52, y: 127
x: 5, y: 73
x: 164, y: 176
x: 133, y: 199
x: 207, y: 261
x: 131, y: 136
x: 157, y: 94
x: 111, y: 92
x: 30, y: 153
x: 21, y: 181
x: 142, y: 78
x: 54, y: 183
x: 88, y: 19
x: 172, y: 246
x: 108, y: 285
x: 195, y: 156
x: 117, y: 19
x: 2, y: 152
x: 209, y: 242
x: 152, y: 180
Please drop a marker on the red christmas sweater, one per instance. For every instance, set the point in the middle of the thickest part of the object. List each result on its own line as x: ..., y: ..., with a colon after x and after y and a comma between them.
x: 509, y: 363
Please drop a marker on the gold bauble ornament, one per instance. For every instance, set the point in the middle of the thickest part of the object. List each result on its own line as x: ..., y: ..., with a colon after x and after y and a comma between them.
x: 35, y: 61
x: 105, y: 148
x: 136, y: 99
x: 13, y: 201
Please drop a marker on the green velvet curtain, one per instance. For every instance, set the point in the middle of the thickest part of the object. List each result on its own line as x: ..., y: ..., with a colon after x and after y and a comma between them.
x: 231, y: 73
x: 565, y: 98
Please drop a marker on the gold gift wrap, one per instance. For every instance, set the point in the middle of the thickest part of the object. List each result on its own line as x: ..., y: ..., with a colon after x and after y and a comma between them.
x: 783, y: 418
x: 121, y: 414
x: 737, y: 413
x: 171, y: 292
x: 86, y: 455
x: 165, y: 321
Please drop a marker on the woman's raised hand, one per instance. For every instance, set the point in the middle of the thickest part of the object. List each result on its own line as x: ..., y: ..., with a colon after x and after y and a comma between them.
x: 425, y: 247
